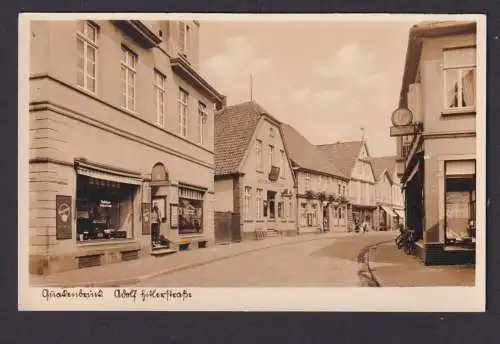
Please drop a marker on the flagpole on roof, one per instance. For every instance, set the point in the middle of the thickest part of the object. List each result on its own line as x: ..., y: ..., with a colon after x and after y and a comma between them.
x: 251, y: 87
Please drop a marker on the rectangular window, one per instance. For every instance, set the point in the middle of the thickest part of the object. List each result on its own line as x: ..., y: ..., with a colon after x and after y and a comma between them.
x: 271, y: 156
x: 258, y: 155
x: 282, y: 163
x: 281, y: 210
x: 160, y: 98
x: 202, y: 120
x: 183, y: 39
x: 247, y: 200
x: 303, y: 214
x: 190, y: 211
x: 460, y: 201
x: 104, y: 209
x: 128, y: 75
x: 86, y: 40
x: 183, y: 112
x: 459, y: 72
x: 258, y: 204
x: 290, y: 207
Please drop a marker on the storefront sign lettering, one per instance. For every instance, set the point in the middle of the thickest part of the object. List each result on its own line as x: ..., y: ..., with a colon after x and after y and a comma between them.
x: 63, y: 217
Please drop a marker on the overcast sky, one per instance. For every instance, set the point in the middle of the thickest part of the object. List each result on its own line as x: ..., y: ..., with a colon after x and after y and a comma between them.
x: 327, y: 79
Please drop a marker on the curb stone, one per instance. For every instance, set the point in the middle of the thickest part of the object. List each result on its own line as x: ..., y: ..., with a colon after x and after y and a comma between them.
x: 366, y: 272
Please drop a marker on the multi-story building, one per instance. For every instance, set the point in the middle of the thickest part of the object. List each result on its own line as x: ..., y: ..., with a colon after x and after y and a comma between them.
x: 254, y: 181
x: 321, y: 187
x: 388, y: 194
x: 120, y: 119
x: 437, y: 157
x: 353, y: 160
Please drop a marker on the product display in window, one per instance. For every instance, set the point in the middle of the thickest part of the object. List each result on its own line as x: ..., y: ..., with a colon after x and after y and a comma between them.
x: 104, y: 209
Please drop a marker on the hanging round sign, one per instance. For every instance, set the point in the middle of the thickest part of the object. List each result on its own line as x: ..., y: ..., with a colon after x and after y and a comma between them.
x: 401, y: 117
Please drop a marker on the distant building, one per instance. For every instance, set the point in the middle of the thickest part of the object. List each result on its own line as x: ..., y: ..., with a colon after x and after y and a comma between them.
x: 353, y: 160
x: 321, y: 187
x: 437, y: 164
x: 388, y: 194
x: 254, y: 181
x: 119, y: 119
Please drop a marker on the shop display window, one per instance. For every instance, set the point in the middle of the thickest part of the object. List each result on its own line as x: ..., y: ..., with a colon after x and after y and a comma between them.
x: 104, y: 209
x: 460, y: 204
x: 190, y: 211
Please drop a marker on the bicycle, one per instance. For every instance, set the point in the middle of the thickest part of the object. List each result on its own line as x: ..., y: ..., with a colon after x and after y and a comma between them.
x: 406, y: 240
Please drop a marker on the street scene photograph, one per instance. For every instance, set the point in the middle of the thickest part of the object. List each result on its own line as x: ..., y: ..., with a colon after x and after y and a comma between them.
x: 197, y: 151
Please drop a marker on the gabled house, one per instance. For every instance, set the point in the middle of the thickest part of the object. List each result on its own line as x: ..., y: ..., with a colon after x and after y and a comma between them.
x: 321, y: 186
x: 353, y: 160
x: 388, y: 194
x: 254, y: 181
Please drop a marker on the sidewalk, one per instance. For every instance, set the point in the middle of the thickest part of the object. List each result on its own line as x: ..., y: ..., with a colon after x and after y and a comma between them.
x: 393, y: 268
x: 131, y: 272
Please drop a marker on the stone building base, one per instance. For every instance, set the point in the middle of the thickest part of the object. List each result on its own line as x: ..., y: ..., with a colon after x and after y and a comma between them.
x: 439, y: 254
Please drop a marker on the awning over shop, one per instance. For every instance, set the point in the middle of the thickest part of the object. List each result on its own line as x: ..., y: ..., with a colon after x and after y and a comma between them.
x: 98, y: 172
x: 389, y: 211
x: 400, y: 213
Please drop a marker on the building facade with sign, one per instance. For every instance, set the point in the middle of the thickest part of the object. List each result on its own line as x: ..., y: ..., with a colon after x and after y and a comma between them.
x: 437, y: 150
x: 322, y: 188
x: 388, y: 194
x: 353, y: 159
x: 121, y: 141
x: 254, y: 181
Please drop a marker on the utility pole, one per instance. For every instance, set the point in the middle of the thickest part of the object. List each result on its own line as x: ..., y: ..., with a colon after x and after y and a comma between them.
x: 251, y: 87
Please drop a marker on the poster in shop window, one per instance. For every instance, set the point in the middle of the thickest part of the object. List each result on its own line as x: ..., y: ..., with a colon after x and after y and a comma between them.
x: 146, y: 218
x: 190, y: 215
x: 63, y: 217
x: 174, y: 213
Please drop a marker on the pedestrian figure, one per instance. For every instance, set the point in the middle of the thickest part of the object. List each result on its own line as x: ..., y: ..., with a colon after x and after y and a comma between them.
x: 155, y: 225
x: 364, y: 226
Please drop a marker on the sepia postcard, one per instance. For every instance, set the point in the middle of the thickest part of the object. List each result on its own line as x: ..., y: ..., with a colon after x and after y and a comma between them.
x: 257, y: 162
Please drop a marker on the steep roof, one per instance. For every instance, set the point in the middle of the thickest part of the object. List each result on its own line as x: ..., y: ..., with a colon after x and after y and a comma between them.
x: 234, y: 127
x: 380, y: 164
x: 306, y: 155
x: 343, y: 154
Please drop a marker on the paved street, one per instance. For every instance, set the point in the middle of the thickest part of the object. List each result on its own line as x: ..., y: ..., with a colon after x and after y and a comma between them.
x: 323, y: 262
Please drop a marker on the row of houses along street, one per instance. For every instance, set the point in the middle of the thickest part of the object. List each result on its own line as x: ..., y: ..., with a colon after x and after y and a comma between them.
x: 133, y: 153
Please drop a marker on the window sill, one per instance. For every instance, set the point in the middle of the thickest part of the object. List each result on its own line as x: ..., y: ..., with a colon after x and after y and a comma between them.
x: 98, y: 242
x: 259, y: 171
x: 259, y: 221
x: 459, y: 112
x: 190, y: 235
x: 248, y: 221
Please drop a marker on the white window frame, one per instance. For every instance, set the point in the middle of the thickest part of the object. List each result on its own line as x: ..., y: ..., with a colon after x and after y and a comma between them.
x: 183, y: 102
x: 247, y: 200
x: 88, y: 44
x: 129, y: 66
x: 308, y: 181
x: 160, y: 92
x: 282, y: 163
x: 459, y: 68
x: 202, y: 119
x: 258, y: 204
x: 183, y: 43
x: 271, y: 156
x: 258, y: 155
